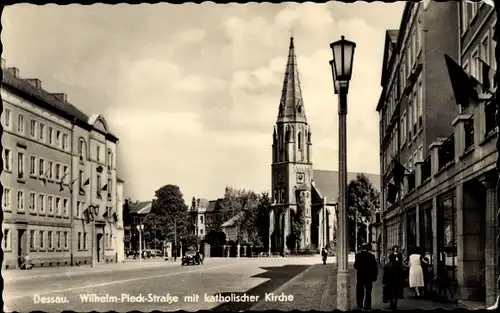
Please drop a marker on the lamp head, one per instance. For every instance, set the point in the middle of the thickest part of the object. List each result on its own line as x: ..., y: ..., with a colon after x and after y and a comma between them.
x: 343, y: 57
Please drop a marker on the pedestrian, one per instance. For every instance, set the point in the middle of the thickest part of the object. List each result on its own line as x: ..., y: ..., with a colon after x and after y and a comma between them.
x: 425, y: 268
x: 367, y: 272
x: 416, y: 275
x: 393, y: 282
x: 398, y: 254
x: 324, y: 255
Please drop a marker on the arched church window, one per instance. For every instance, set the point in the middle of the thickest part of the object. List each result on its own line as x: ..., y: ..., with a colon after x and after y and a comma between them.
x: 299, y: 109
x: 299, y: 140
x: 287, y: 135
x: 309, y: 136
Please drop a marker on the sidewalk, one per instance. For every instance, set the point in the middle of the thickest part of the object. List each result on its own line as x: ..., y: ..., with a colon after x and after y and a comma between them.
x: 70, y: 271
x: 320, y: 283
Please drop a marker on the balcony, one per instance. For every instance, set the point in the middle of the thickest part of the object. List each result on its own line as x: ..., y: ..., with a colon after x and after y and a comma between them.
x: 446, y: 152
x: 426, y: 169
x: 489, y: 114
x: 469, y: 134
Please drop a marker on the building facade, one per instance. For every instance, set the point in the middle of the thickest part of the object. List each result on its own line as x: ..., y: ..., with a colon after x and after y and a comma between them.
x: 203, y: 216
x: 440, y: 200
x: 57, y: 162
x: 297, y: 189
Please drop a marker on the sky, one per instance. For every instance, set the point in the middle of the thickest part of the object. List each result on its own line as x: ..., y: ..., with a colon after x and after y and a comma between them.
x: 192, y: 91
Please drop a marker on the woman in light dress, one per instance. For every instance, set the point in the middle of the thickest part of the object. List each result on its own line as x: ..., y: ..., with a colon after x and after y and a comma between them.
x: 416, y: 279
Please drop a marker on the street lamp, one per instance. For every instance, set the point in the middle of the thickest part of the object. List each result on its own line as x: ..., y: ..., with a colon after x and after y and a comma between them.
x: 93, y: 211
x: 341, y: 65
x: 140, y: 228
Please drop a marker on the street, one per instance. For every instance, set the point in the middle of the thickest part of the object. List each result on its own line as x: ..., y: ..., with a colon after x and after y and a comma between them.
x: 167, y: 288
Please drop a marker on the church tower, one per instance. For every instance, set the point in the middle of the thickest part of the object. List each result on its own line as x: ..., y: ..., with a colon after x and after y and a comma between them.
x: 291, y: 161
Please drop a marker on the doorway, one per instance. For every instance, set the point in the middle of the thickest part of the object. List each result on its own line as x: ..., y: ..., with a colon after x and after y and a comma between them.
x: 21, y: 244
x: 98, y: 247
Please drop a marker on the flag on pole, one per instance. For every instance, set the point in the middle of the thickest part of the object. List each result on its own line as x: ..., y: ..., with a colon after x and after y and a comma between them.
x: 115, y: 217
x: 86, y: 215
x: 462, y: 83
x: 86, y: 182
x: 105, y: 187
x: 398, y: 172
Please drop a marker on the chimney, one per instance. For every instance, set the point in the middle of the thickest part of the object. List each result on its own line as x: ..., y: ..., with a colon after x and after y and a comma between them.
x: 35, y: 82
x: 14, y: 71
x: 3, y: 63
x: 61, y: 96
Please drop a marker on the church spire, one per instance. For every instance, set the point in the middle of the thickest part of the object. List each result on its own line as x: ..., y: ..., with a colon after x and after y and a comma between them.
x: 291, y: 104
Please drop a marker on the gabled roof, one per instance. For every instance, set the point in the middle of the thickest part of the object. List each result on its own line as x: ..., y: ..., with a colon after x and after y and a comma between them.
x: 141, y: 207
x: 232, y: 221
x: 326, y: 183
x: 211, y: 205
x: 291, y: 103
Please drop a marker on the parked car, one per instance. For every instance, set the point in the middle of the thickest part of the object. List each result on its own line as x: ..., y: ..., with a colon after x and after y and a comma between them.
x: 191, y: 257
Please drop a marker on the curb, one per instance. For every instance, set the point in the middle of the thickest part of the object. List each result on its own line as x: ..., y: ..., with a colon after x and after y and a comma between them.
x: 285, y: 285
x: 14, y: 278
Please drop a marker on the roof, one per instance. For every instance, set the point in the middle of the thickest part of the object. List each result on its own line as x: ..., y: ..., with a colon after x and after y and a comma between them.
x: 291, y: 104
x: 327, y: 182
x: 141, y: 207
x: 47, y: 100
x: 211, y: 205
x: 233, y: 220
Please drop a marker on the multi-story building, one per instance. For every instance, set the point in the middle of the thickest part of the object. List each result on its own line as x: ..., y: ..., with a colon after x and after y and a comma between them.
x: 447, y: 194
x: 137, y: 211
x: 57, y: 162
x: 204, y: 216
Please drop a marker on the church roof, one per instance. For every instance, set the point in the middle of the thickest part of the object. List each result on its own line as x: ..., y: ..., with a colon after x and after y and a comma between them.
x: 327, y: 182
x: 291, y: 104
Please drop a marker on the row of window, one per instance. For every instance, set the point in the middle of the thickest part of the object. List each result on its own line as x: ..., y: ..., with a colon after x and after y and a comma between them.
x: 482, y: 52
x: 82, y: 152
x: 39, y: 131
x: 41, y: 204
x: 417, y: 155
x: 40, y: 240
x: 38, y: 167
x: 469, y: 11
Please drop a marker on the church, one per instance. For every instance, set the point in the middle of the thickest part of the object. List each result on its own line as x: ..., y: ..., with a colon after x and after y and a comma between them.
x: 303, y: 213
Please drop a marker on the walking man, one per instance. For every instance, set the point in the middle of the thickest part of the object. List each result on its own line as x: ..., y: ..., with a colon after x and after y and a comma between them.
x: 367, y: 272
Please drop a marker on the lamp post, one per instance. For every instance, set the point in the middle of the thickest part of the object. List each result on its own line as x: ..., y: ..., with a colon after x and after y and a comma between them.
x: 140, y: 228
x: 341, y: 65
x: 93, y: 212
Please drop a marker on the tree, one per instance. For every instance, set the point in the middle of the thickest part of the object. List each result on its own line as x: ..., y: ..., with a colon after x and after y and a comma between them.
x: 215, y: 238
x: 363, y: 201
x: 255, y: 220
x: 169, y: 204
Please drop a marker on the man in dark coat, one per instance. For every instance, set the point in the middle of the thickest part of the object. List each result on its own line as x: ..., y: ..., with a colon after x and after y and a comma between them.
x: 367, y: 272
x: 393, y: 282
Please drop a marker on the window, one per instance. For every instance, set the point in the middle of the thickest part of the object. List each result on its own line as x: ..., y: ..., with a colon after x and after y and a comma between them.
x: 58, y: 171
x: 32, y: 165
x: 410, y: 117
x: 50, y: 204
x: 78, y: 208
x: 20, y: 124
x: 65, y: 174
x: 50, y: 240
x: 416, y: 103
x: 20, y: 165
x: 7, y: 240
x: 469, y: 11
x: 65, y: 142
x: 51, y: 136
x: 447, y: 239
x: 58, y: 139
x: 420, y: 109
x: 65, y: 240
x: 33, y: 129
x: 7, y: 160
x: 32, y: 240
x: 474, y: 62
x: 484, y: 53
x: 201, y: 231
x: 65, y: 207
x: 85, y: 241
x: 20, y: 201
x: 109, y: 187
x: 81, y: 149
x: 6, y: 118
x: 80, y: 179
x: 41, y: 239
x: 7, y: 199
x: 32, y: 207
x: 98, y: 153
x: 58, y: 240
x: 50, y: 169
x: 42, y: 132
x: 58, y: 206
x: 201, y: 219
x: 110, y: 159
x: 99, y: 185
x: 404, y: 133
x: 41, y: 204
x: 80, y: 241
x: 41, y: 167
x: 411, y: 229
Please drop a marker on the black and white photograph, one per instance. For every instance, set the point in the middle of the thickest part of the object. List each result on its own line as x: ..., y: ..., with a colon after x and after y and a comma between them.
x: 250, y: 157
